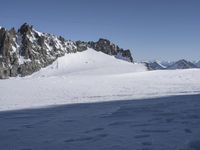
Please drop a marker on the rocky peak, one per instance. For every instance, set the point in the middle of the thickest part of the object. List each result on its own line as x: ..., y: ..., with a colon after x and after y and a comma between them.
x: 155, y: 65
x: 106, y: 47
x: 104, y: 43
x: 6, y: 41
x: 81, y: 46
x: 182, y: 64
x: 109, y: 48
x: 25, y: 28
x: 25, y: 51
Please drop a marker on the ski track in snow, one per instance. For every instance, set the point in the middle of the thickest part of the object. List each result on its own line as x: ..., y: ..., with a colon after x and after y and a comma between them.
x: 92, y: 76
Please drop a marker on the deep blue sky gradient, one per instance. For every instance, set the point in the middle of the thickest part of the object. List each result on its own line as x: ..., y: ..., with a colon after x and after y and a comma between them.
x: 153, y: 29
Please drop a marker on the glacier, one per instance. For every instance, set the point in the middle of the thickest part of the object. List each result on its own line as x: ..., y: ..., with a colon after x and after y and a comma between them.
x: 91, y: 76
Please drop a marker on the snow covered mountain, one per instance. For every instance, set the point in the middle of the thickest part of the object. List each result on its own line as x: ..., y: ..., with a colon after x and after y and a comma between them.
x: 167, y: 63
x: 182, y: 64
x: 26, y: 51
x: 106, y: 47
x: 197, y: 64
x: 88, y: 62
x: 155, y: 65
x: 170, y: 65
x: 92, y: 76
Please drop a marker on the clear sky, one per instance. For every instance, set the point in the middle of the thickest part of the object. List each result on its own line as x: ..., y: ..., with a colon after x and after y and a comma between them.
x: 152, y: 29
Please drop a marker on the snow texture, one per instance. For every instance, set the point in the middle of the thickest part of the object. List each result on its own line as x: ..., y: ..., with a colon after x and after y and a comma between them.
x: 92, y: 76
x: 134, y: 108
x: 170, y: 123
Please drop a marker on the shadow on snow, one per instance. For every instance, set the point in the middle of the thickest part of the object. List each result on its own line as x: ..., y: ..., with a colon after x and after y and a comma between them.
x: 160, y: 123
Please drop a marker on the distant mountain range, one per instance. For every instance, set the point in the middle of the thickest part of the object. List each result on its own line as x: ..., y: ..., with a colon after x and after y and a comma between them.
x: 180, y: 64
x: 155, y: 65
x: 197, y: 63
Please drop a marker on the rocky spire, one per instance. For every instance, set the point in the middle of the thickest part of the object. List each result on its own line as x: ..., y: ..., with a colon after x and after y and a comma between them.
x: 25, y: 28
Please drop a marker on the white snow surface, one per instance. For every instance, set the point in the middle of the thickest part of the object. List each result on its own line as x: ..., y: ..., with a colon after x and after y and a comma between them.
x: 88, y: 63
x: 167, y: 123
x: 92, y: 76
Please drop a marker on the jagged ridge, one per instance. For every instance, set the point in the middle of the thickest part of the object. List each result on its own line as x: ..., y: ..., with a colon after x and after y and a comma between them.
x: 154, y: 65
x: 26, y: 51
x: 106, y: 47
x: 180, y: 64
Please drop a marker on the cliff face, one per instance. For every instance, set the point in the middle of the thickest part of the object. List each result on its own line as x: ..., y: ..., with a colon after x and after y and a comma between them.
x: 26, y: 51
x: 106, y: 47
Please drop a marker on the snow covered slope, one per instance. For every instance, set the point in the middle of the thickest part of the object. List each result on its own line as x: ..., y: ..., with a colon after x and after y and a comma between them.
x: 89, y: 62
x: 92, y: 76
x: 182, y: 64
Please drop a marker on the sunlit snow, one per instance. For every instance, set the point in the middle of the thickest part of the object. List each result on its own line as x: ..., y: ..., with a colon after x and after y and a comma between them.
x: 92, y: 76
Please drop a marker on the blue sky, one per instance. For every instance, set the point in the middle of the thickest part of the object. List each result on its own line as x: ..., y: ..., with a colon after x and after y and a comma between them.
x: 153, y: 29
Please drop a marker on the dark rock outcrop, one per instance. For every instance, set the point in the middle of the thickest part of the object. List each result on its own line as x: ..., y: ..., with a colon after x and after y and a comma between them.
x: 25, y: 51
x: 105, y: 46
x: 109, y: 48
x: 154, y: 66
x: 81, y: 46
